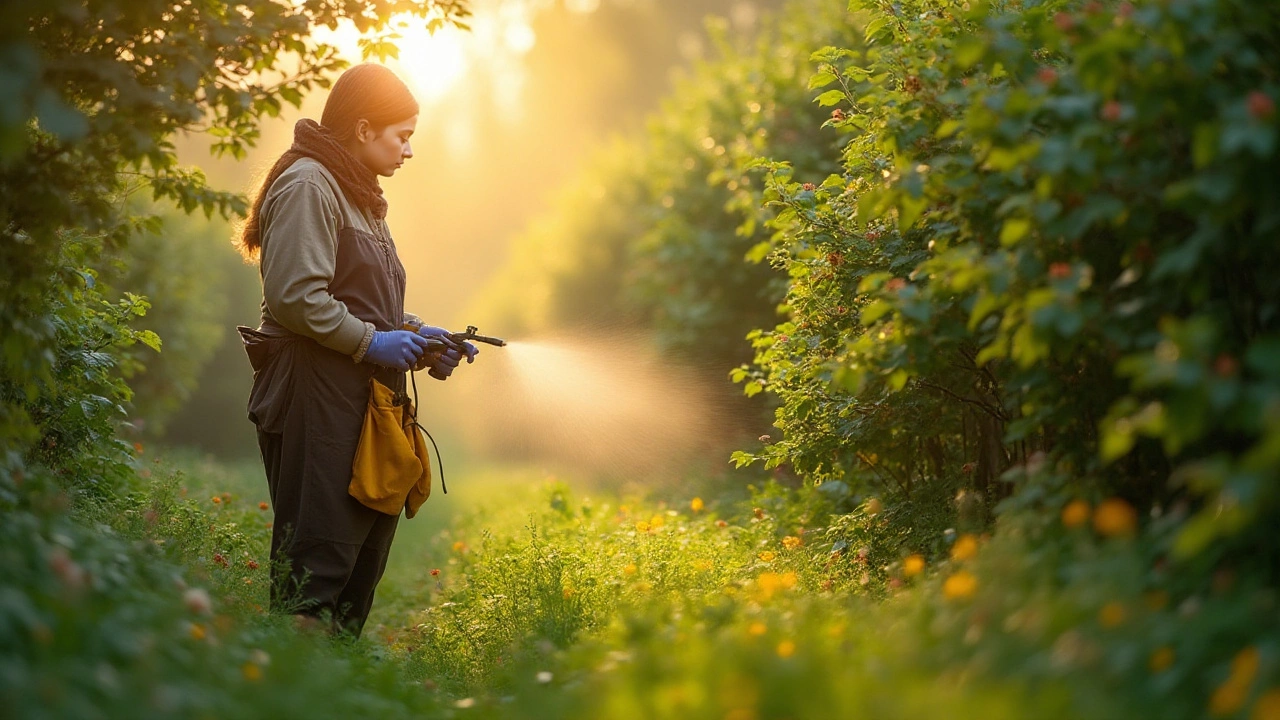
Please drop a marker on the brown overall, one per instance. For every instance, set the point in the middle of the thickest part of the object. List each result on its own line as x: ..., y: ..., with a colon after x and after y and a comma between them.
x: 308, y: 401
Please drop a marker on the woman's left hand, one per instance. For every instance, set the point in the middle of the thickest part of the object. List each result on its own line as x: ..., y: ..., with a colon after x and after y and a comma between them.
x: 445, y: 362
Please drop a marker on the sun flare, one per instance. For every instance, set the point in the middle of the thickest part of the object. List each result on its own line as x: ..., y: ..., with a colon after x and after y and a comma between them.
x: 432, y: 63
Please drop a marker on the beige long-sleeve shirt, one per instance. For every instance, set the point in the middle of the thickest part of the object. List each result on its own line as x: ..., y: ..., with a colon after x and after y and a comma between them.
x: 301, y: 215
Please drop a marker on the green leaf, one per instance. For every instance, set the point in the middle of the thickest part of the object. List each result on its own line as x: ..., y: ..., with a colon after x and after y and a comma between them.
x: 1013, y: 230
x: 821, y: 79
x: 830, y: 97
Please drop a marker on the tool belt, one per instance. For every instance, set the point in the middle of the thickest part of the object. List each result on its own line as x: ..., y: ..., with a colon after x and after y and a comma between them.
x: 392, y: 468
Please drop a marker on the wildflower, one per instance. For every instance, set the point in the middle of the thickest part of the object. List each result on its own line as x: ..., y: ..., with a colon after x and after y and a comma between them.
x: 435, y: 572
x: 769, y: 582
x: 656, y: 521
x: 544, y: 677
x: 767, y: 556
x: 809, y: 186
x: 757, y: 628
x: 642, y: 527
x: 197, y: 631
x: 251, y: 672
x: 960, y: 586
x: 786, y: 649
x: 1267, y: 707
x: 913, y: 565
x: 264, y: 505
x: 1161, y: 660
x: 465, y: 703
x: 1111, y: 615
x: 966, y: 547
x: 252, y: 564
x: 1261, y: 106
x: 459, y: 546
x: 630, y: 569
x: 137, y: 448
x: 197, y: 601
x: 696, y: 504
x: 721, y: 523
x: 220, y: 560
x: 791, y: 542
x: 216, y: 500
x: 1229, y: 697
x: 758, y: 512
x: 1115, y: 517
x: 1076, y: 513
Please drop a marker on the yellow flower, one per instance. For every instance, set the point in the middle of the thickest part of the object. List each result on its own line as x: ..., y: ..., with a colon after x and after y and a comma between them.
x: 1076, y: 513
x: 696, y: 504
x: 630, y: 569
x: 1111, y: 615
x: 786, y: 649
x: 1228, y: 698
x: 769, y: 582
x: 966, y: 547
x: 767, y: 556
x: 642, y: 527
x: 960, y: 586
x: 1267, y: 707
x: 459, y: 546
x: 1115, y: 518
x: 216, y: 500
x: 197, y: 631
x: 251, y: 672
x: 656, y: 521
x: 791, y: 542
x: 1244, y: 667
x: 913, y: 565
x: 757, y: 628
x: 1161, y: 660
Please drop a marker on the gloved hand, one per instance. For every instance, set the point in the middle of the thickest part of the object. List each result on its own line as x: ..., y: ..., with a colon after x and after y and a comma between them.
x: 399, y: 349
x: 444, y: 363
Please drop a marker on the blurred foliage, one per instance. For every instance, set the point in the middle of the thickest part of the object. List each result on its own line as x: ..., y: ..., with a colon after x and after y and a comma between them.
x: 1050, y: 250
x: 651, y: 236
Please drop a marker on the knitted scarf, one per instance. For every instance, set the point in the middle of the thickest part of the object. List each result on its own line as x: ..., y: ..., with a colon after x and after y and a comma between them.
x: 313, y: 140
x: 358, y: 183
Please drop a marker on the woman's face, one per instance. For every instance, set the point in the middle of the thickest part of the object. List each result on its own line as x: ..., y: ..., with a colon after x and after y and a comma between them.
x: 384, y: 151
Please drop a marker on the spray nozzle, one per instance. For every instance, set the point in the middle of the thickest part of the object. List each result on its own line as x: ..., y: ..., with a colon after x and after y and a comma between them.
x: 472, y: 334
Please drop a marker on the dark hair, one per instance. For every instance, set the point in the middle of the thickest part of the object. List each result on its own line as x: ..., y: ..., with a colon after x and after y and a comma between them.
x: 365, y: 92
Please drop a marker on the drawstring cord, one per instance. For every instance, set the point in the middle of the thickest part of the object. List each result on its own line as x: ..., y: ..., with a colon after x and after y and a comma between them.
x: 413, y: 379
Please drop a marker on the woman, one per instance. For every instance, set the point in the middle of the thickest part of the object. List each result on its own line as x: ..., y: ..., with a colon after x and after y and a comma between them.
x: 332, y: 318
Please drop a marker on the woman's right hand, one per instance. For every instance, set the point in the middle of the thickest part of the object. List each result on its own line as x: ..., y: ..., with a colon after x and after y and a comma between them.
x: 399, y: 349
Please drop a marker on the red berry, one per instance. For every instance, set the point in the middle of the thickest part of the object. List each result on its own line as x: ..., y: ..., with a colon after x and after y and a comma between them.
x: 1112, y: 110
x: 1047, y: 75
x: 1225, y: 365
x: 1261, y: 106
x: 1059, y: 270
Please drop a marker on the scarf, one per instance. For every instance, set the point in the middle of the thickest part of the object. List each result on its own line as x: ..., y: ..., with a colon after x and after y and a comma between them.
x: 358, y: 183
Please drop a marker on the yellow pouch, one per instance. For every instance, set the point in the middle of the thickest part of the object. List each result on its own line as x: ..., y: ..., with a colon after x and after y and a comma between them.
x: 392, y: 469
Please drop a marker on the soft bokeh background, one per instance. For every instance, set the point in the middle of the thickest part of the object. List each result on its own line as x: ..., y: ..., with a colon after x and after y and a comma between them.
x: 511, y: 111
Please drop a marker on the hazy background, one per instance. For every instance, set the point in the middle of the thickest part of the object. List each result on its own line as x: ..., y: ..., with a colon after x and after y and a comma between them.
x: 510, y: 111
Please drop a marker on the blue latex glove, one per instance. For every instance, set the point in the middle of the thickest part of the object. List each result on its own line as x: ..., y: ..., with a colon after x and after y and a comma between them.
x: 399, y: 349
x: 445, y: 362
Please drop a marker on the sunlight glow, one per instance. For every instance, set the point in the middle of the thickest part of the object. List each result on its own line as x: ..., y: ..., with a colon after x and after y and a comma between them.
x: 432, y: 64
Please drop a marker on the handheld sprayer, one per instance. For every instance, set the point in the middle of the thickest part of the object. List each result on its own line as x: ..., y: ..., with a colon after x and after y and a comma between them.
x: 438, y: 344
